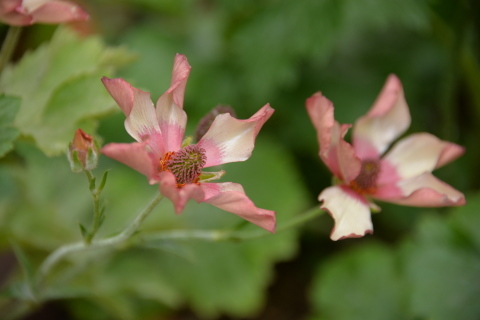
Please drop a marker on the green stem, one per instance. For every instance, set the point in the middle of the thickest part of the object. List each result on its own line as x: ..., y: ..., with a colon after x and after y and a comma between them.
x: 61, y: 252
x: 218, y: 235
x: 97, y: 214
x: 9, y: 45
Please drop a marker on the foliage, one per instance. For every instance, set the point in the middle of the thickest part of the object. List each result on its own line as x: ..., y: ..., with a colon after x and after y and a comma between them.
x: 431, y: 275
x: 59, y: 87
x: 8, y: 133
x: 420, y: 264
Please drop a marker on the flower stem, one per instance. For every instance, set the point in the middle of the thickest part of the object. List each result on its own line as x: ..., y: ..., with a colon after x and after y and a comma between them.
x: 61, y: 252
x: 97, y: 214
x: 231, y: 235
x: 13, y: 34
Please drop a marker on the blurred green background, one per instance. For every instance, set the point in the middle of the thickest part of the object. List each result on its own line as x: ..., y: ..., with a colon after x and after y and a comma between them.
x: 419, y: 264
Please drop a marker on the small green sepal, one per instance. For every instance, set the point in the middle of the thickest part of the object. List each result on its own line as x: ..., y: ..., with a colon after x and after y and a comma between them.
x: 75, y: 163
x: 187, y: 141
x: 211, y: 176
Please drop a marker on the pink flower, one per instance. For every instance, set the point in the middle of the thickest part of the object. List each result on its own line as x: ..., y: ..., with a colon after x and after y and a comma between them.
x: 27, y: 12
x: 366, y: 170
x: 178, y: 167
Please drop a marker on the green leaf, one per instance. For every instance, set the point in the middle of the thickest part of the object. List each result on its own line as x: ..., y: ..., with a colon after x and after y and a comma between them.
x: 443, y: 265
x: 8, y: 133
x: 211, y: 278
x: 359, y: 284
x: 83, y: 230
x: 60, y: 87
x: 104, y: 180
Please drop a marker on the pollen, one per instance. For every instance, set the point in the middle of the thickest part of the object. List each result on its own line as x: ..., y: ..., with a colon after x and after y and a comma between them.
x: 366, y: 181
x: 186, y: 164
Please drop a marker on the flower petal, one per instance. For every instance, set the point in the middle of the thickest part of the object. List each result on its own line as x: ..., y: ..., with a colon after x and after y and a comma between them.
x: 421, y: 152
x: 9, y: 5
x: 169, y: 107
x: 138, y: 108
x: 54, y: 11
x: 388, y: 118
x: 230, y: 139
x: 320, y: 110
x: 9, y: 13
x: 350, y: 211
x: 338, y: 155
x: 179, y: 196
x: 16, y: 19
x: 427, y: 191
x: 134, y: 155
x: 231, y: 197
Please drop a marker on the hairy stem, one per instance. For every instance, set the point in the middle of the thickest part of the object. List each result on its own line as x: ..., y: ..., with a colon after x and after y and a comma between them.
x: 96, y: 209
x: 61, y: 252
x: 231, y: 235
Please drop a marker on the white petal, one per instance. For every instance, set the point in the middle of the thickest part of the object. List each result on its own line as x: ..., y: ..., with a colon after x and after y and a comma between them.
x: 419, y: 153
x: 141, y: 121
x: 230, y: 139
x: 350, y: 211
x: 170, y: 114
x: 388, y: 118
x: 172, y: 120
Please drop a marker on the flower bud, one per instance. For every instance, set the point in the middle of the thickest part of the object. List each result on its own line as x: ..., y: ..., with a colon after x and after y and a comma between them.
x: 82, y: 152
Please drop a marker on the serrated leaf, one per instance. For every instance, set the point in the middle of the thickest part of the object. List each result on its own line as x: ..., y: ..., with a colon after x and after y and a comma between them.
x: 8, y: 133
x: 60, y: 87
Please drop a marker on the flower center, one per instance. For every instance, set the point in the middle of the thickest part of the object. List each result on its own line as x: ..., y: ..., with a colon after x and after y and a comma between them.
x: 366, y: 181
x: 186, y: 164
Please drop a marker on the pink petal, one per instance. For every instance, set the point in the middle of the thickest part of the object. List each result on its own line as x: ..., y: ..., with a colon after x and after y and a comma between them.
x: 134, y: 155
x: 54, y: 11
x: 350, y: 211
x: 138, y: 108
x: 388, y: 118
x: 320, y: 110
x: 180, y: 73
x: 421, y: 152
x: 232, y: 140
x: 16, y: 19
x: 427, y: 191
x: 387, y: 181
x: 169, y: 108
x: 179, y: 196
x: 7, y: 6
x: 231, y: 197
x: 338, y: 155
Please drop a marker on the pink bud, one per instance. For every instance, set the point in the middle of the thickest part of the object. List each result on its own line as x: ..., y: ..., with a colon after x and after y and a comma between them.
x: 83, y: 153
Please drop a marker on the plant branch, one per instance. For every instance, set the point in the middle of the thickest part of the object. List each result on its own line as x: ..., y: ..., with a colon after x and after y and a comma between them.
x: 97, y: 212
x: 61, y: 252
x: 231, y: 235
